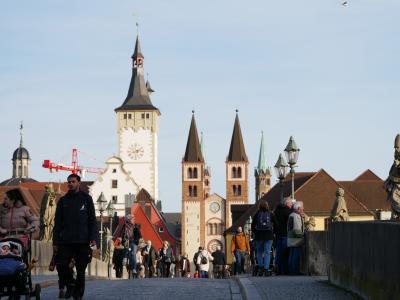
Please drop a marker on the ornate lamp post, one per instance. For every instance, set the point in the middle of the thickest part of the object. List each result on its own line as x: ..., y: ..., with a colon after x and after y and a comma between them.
x: 110, y: 211
x: 292, y: 153
x: 101, y: 202
x: 281, y: 172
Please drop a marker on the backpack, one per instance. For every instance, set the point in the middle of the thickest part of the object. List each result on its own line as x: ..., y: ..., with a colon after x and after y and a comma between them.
x: 203, y: 260
x: 264, y: 222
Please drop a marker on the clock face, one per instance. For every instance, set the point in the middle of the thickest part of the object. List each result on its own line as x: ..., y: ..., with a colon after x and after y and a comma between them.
x: 135, y: 151
x: 214, y: 207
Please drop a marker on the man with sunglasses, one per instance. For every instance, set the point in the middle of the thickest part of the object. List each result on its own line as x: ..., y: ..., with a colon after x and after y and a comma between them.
x: 75, y: 233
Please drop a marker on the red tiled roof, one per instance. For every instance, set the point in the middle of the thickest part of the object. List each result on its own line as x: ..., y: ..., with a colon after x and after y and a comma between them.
x: 368, y: 175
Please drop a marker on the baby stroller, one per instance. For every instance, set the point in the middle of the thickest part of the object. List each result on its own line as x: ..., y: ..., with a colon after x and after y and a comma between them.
x: 15, y: 275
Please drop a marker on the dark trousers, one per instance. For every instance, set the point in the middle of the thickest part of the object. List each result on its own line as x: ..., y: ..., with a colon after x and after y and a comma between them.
x: 294, y: 260
x: 81, y: 254
x: 282, y: 255
x: 118, y: 270
x: 165, y: 269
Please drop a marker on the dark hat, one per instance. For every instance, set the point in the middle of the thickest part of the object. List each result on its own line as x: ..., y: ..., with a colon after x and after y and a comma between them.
x: 15, y: 194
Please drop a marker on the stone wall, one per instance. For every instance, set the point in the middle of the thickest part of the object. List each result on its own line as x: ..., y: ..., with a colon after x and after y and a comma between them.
x: 365, y: 258
x: 43, y: 251
x: 315, y: 255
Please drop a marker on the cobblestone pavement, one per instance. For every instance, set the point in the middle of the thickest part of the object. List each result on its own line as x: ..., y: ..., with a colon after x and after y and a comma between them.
x: 156, y: 288
x: 298, y: 287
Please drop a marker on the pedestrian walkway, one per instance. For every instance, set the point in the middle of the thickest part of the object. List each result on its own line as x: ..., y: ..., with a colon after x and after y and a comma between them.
x: 291, y: 287
x: 156, y: 288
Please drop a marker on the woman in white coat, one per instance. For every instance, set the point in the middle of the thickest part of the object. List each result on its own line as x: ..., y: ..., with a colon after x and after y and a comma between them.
x: 203, y: 261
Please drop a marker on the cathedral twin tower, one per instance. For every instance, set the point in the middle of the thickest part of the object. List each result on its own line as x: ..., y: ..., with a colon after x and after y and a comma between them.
x: 205, y: 216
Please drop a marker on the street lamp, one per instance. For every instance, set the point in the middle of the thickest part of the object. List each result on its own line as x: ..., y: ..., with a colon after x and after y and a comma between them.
x: 292, y: 153
x: 281, y: 172
x: 110, y: 211
x: 101, y: 202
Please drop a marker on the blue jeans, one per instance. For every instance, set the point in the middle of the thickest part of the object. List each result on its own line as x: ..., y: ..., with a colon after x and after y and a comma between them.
x: 263, y: 253
x: 294, y: 260
x: 203, y: 274
x: 132, y: 255
x: 240, y: 257
x: 281, y: 258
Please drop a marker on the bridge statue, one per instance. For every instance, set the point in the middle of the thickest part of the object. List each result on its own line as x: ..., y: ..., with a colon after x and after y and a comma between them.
x: 47, y: 213
x: 392, y: 183
x: 339, y: 210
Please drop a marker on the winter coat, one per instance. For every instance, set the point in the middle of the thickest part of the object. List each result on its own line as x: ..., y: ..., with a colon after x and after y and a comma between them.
x: 204, y: 267
x: 295, y: 230
x: 75, y: 221
x: 149, y: 256
x: 168, y: 256
x: 282, y: 213
x: 184, y: 264
x: 118, y: 256
x: 240, y: 242
x: 130, y: 232
x: 18, y: 217
x: 219, y: 258
x: 263, y: 235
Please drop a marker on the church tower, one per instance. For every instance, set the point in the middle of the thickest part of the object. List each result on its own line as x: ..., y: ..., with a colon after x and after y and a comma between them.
x: 21, y: 159
x: 262, y: 173
x: 193, y: 193
x: 237, y: 179
x: 137, y: 124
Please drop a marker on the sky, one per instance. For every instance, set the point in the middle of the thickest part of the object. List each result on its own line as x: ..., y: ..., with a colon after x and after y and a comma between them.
x: 320, y: 71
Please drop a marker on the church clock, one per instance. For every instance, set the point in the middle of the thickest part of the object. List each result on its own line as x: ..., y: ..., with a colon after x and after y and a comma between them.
x: 135, y: 151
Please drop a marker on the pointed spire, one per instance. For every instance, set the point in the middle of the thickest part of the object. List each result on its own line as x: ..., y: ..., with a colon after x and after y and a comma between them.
x: 138, y: 94
x: 262, y: 163
x: 193, y: 147
x: 236, y: 150
x: 21, y: 135
x: 148, y: 86
x: 138, y: 51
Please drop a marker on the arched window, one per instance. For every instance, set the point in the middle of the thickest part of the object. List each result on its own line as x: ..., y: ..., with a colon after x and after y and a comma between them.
x: 194, y: 172
x: 190, y: 191
x: 239, y: 172
x: 234, y: 172
x: 190, y: 173
x: 234, y: 190
x: 209, y: 229
x: 239, y: 190
x: 195, y: 191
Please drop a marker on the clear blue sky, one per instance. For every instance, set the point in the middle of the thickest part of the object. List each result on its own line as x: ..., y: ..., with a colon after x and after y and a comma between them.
x: 325, y: 73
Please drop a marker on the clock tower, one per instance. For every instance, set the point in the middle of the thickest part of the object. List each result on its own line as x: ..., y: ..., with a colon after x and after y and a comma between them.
x: 137, y: 124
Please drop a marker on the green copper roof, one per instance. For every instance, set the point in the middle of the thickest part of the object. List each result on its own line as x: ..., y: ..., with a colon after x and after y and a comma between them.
x: 262, y: 163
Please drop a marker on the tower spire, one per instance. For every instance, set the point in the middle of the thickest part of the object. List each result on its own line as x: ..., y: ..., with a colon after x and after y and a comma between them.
x: 193, y: 148
x: 21, y: 135
x: 262, y: 164
x: 237, y: 151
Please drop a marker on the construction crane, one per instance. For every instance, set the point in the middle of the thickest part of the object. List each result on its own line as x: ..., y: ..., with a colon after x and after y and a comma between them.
x: 73, y: 168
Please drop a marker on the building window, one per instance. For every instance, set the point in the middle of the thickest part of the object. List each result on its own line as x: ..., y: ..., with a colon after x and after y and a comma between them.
x: 147, y: 116
x: 234, y: 190
x: 114, y: 170
x: 114, y: 199
x: 194, y: 172
x: 206, y: 182
x: 190, y: 172
x: 195, y: 191
x: 129, y: 116
x: 239, y: 190
x: 234, y: 172
x: 190, y: 191
x: 114, y: 184
x: 142, y: 116
x: 239, y: 172
x: 125, y: 116
x: 25, y: 171
x: 161, y: 229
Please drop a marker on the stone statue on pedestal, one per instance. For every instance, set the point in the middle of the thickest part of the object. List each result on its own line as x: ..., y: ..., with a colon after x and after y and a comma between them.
x: 47, y: 213
x: 392, y: 183
x: 339, y: 210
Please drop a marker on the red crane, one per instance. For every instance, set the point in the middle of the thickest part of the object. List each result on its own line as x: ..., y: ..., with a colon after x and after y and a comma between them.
x: 73, y: 168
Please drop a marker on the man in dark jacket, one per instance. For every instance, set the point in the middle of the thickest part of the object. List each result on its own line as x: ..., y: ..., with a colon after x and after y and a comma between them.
x: 150, y: 257
x: 219, y: 263
x: 282, y: 212
x: 75, y: 233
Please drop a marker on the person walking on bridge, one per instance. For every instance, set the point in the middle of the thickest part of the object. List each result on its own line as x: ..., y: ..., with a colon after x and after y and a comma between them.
x: 240, y: 248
